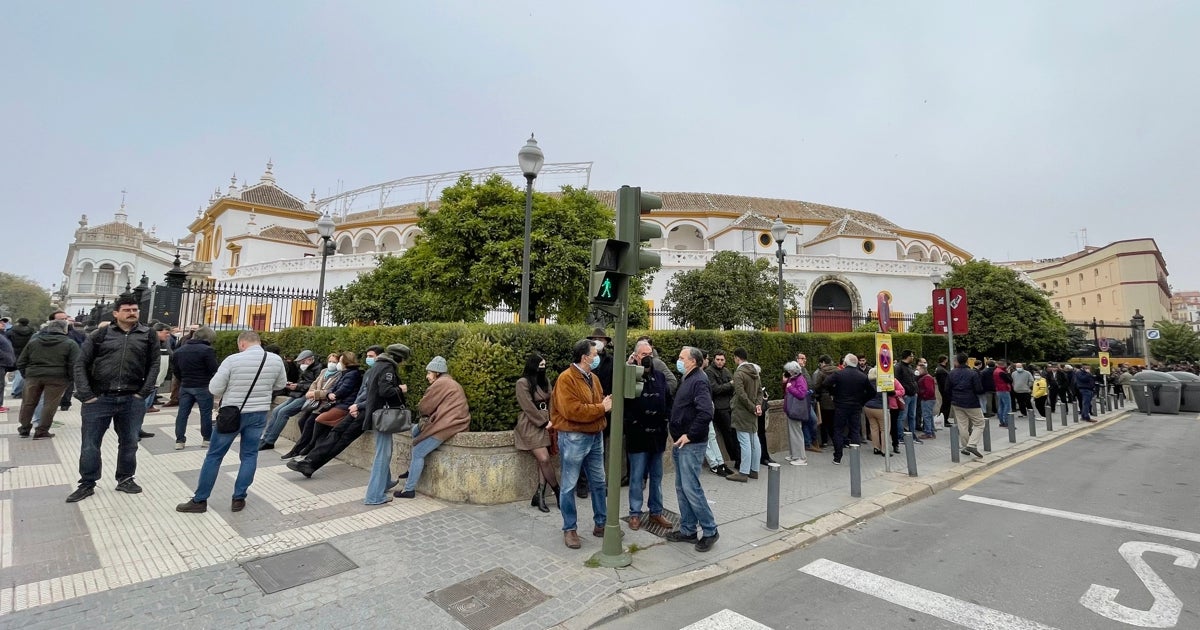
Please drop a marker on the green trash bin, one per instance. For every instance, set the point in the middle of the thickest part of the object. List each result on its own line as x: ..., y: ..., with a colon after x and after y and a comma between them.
x: 1156, y: 392
x: 1189, y: 397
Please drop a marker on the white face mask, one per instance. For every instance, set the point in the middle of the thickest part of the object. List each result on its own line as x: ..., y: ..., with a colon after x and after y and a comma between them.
x: 341, y: 366
x: 332, y: 366
x: 303, y: 367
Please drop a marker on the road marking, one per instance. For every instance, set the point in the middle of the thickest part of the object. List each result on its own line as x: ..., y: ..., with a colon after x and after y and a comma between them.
x: 931, y: 603
x: 1086, y: 518
x: 1013, y: 461
x: 726, y: 620
x: 6, y: 533
x: 1165, y: 611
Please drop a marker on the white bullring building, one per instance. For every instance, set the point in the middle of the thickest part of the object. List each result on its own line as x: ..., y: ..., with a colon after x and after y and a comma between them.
x: 838, y: 259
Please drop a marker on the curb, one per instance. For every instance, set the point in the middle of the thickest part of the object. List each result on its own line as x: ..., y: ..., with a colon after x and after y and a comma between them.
x: 634, y: 598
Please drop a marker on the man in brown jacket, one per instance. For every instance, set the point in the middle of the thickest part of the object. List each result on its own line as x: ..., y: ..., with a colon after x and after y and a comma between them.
x: 577, y: 411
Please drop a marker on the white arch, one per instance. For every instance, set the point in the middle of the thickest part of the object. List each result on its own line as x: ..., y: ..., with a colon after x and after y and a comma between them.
x: 946, y: 258
x: 683, y: 234
x: 85, y: 277
x: 409, y: 237
x: 389, y: 239
x: 364, y: 242
x: 345, y: 245
x: 921, y: 251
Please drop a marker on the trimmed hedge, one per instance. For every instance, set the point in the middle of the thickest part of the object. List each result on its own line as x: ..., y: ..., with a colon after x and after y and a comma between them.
x: 487, y: 359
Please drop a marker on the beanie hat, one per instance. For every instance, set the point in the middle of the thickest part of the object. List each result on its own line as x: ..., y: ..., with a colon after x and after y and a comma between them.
x: 399, y: 352
x: 438, y: 364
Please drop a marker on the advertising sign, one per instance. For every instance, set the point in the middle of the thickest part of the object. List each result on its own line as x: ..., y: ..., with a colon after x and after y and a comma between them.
x: 957, y: 317
x: 884, y: 362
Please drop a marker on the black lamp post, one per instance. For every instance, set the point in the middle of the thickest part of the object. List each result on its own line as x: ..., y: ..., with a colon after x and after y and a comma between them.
x: 779, y: 232
x: 530, y: 159
x: 325, y: 230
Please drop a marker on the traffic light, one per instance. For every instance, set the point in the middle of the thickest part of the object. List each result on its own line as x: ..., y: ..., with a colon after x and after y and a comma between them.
x: 633, y: 379
x: 632, y: 203
x: 608, y: 284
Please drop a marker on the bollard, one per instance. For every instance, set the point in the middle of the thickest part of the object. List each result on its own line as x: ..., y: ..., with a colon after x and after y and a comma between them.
x: 1075, y: 412
x: 1049, y: 420
x: 773, y: 495
x: 910, y: 452
x: 1032, y: 426
x: 1063, y: 413
x: 855, y: 472
x: 954, y: 442
x: 987, y: 434
x: 1012, y: 430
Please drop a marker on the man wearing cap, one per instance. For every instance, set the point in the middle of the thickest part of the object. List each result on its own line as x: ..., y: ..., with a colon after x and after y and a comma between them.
x: 578, y: 411
x: 278, y: 417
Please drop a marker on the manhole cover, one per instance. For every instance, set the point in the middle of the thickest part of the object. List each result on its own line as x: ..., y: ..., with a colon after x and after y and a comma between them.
x: 661, y: 532
x: 299, y: 566
x: 487, y: 600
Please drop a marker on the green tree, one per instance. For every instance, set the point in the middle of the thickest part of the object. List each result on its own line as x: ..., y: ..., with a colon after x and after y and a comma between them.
x: 1007, y: 316
x: 22, y: 297
x: 1177, y: 342
x: 468, y: 258
x: 731, y: 290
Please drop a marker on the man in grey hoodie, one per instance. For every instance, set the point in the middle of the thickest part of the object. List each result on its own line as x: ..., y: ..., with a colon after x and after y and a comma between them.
x: 1022, y: 387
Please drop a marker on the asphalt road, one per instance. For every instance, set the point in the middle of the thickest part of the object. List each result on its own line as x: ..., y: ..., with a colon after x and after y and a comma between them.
x: 1025, y: 547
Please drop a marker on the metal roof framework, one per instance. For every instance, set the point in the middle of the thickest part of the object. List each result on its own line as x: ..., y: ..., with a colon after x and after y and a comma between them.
x: 384, y: 195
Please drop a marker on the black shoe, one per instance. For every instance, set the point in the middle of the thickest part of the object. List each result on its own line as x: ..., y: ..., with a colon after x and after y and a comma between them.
x: 766, y: 459
x: 677, y: 536
x: 878, y: 452
x: 895, y: 450
x: 64, y: 407
x: 23, y: 434
x: 144, y: 434
x: 290, y: 454
x: 625, y: 481
x: 392, y: 484
x: 192, y: 507
x: 301, y: 467
x: 238, y: 505
x: 128, y: 486
x: 405, y: 494
x: 965, y: 452
x: 403, y: 475
x: 974, y: 451
x: 266, y: 446
x: 837, y: 461
x: 81, y: 493
x: 581, y: 492
x: 706, y: 542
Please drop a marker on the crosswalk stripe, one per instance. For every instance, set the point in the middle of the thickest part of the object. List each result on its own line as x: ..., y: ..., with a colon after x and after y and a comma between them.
x: 726, y: 620
x: 1086, y: 518
x: 921, y: 600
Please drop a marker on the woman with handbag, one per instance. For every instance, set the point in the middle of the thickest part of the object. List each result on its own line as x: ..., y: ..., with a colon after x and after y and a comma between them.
x: 316, y: 398
x: 530, y: 434
x: 796, y: 408
x: 444, y: 414
x: 384, y: 394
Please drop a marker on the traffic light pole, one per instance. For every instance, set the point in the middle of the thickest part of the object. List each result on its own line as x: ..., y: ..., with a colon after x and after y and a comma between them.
x: 613, y: 554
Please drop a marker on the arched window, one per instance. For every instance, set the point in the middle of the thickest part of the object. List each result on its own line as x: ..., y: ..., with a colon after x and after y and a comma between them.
x: 1081, y: 278
x: 1058, y: 305
x: 86, y: 282
x: 1067, y: 280
x: 1069, y: 304
x: 1099, y: 299
x: 1083, y: 301
x: 105, y: 277
x: 1056, y: 284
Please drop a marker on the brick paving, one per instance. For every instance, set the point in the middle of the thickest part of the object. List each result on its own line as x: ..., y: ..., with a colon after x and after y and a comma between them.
x: 118, y: 560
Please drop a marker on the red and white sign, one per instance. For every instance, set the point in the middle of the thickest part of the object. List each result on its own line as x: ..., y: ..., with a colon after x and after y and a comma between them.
x: 957, y: 317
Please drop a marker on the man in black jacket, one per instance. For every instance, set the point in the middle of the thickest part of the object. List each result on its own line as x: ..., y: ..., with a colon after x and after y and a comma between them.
x: 46, y: 363
x: 277, y: 419
x: 20, y: 335
x: 720, y: 381
x: 193, y: 367
x: 691, y: 415
x: 114, y: 374
x: 906, y: 374
x: 850, y: 389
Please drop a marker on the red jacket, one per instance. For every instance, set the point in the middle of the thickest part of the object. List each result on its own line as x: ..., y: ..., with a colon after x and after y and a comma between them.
x: 926, y: 388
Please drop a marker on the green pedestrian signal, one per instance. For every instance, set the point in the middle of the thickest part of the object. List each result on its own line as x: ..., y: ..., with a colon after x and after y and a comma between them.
x: 605, y: 289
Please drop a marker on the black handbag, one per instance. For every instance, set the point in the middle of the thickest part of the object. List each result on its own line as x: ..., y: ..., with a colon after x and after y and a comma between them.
x: 392, y: 419
x: 229, y: 418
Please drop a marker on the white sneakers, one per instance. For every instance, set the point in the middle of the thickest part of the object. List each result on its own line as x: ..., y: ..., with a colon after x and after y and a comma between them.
x: 179, y: 446
x: 799, y: 462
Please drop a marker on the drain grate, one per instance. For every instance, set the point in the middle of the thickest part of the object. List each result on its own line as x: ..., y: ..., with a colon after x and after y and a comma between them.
x: 661, y: 532
x: 299, y: 566
x: 488, y: 600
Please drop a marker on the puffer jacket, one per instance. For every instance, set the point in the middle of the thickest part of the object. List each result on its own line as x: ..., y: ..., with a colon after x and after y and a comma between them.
x: 746, y: 386
x: 113, y: 361
x: 49, y: 355
x: 20, y: 335
x: 236, y: 373
x: 8, y: 358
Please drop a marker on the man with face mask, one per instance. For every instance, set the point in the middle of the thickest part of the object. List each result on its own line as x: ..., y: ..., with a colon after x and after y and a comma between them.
x: 1022, y: 387
x: 691, y: 415
x: 578, y: 411
x: 646, y: 439
x: 348, y: 429
x: 278, y: 417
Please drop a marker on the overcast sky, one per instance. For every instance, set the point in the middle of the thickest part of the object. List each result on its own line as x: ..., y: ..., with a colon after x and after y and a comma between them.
x: 1006, y: 127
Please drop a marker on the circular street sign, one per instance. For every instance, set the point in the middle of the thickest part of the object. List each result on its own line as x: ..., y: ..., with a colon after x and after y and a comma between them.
x: 1152, y: 333
x: 1103, y: 344
x: 1103, y: 361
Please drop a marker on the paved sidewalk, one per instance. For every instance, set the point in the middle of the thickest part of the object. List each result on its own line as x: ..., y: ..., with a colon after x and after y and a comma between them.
x: 117, y: 560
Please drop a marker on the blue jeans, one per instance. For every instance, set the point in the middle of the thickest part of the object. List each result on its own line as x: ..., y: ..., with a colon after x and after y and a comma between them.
x: 125, y: 414
x: 419, y: 452
x: 809, y: 427
x: 712, y: 452
x: 381, y: 470
x: 250, y: 432
x: 908, y: 416
x: 693, y: 505
x: 927, y: 415
x: 18, y: 385
x: 1085, y: 403
x: 748, y: 443
x: 187, y: 397
x: 639, y: 465
x: 983, y: 402
x: 1003, y: 407
x: 585, y: 451
x: 278, y: 417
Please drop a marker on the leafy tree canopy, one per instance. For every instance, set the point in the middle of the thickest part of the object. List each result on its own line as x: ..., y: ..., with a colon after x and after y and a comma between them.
x: 22, y: 297
x: 731, y: 290
x: 468, y: 258
x: 1177, y: 343
x: 1007, y: 316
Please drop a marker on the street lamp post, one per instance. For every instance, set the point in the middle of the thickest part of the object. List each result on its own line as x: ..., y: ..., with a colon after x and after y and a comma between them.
x: 936, y: 278
x: 530, y: 159
x: 779, y: 232
x: 325, y: 230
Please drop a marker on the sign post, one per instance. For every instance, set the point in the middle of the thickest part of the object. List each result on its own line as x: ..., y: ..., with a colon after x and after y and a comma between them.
x: 1105, y: 370
x: 885, y: 382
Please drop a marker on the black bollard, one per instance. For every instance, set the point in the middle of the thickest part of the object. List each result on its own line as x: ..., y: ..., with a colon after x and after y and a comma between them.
x: 773, y: 495
x: 1032, y: 425
x: 1012, y: 429
x: 987, y: 434
x: 910, y: 452
x: 954, y: 443
x: 855, y: 472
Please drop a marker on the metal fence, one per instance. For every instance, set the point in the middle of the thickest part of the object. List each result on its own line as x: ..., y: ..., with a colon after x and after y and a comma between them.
x: 820, y: 321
